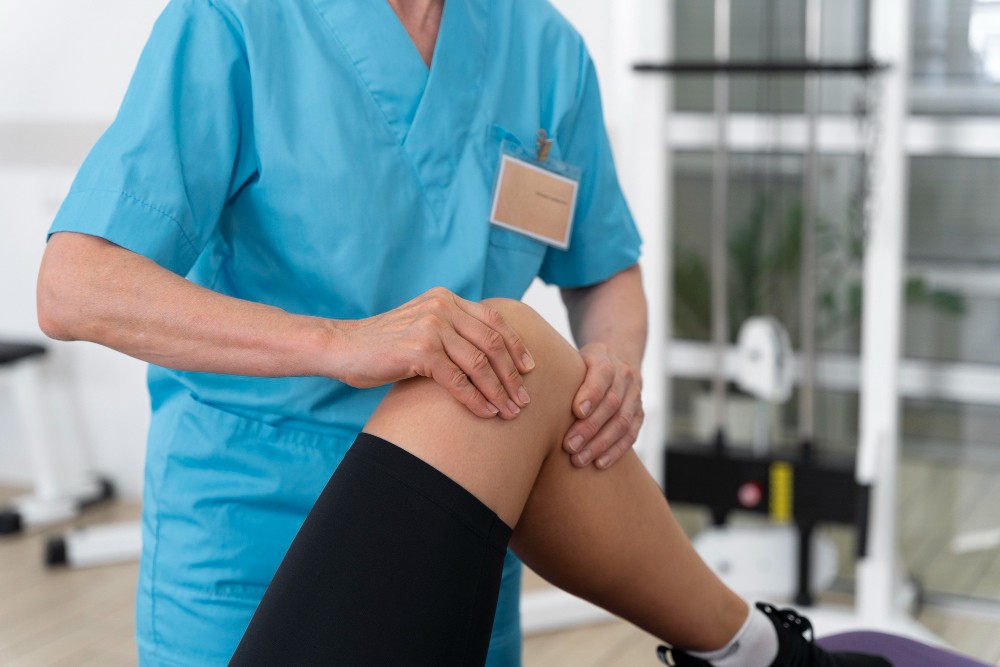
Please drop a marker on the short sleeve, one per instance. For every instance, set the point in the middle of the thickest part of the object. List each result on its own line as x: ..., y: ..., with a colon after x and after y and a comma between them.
x: 604, y: 239
x: 181, y: 146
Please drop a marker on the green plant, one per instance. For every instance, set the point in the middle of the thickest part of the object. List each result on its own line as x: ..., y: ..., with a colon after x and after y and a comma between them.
x: 763, y: 277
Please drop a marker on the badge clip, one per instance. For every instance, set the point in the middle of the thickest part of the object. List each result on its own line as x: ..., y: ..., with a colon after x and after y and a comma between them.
x: 544, y: 145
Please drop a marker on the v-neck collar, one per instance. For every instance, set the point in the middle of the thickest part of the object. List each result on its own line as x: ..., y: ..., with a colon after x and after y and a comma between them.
x: 383, y: 54
x: 391, y: 67
x: 430, y: 111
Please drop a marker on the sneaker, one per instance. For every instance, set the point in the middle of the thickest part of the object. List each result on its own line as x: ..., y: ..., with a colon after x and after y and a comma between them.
x: 795, y: 649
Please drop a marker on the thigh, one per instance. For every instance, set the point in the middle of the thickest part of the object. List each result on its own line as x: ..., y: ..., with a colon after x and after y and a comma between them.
x: 395, y: 564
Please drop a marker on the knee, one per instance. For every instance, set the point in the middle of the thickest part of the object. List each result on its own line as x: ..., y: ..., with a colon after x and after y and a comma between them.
x: 522, y: 318
x: 530, y: 327
x: 551, y: 384
x: 557, y: 362
x: 509, y: 308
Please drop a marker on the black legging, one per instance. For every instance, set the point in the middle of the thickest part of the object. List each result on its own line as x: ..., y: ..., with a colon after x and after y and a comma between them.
x: 396, y: 564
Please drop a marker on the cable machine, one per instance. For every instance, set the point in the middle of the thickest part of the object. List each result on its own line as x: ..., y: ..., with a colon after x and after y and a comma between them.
x: 802, y: 488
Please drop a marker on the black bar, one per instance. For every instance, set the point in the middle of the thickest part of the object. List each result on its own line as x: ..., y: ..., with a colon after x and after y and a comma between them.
x: 862, y: 67
x: 720, y: 511
x: 863, y: 510
x: 824, y: 489
x: 804, y: 596
x: 13, y: 352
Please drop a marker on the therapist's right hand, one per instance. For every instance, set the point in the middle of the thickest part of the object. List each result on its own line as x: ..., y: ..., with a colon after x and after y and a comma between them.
x: 464, y: 346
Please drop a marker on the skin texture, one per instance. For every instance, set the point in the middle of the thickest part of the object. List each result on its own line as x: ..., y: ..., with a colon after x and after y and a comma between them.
x: 422, y: 19
x: 90, y: 289
x: 609, y: 324
x: 607, y: 536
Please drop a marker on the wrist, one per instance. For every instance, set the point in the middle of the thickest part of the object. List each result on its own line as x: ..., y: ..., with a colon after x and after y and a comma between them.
x: 326, y: 350
x: 627, y: 354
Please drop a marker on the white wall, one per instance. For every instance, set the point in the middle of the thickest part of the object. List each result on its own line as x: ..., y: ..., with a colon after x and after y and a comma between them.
x: 64, y: 66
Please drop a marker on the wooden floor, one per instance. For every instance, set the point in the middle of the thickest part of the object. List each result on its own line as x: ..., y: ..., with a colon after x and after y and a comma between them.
x: 83, y: 618
x: 78, y: 618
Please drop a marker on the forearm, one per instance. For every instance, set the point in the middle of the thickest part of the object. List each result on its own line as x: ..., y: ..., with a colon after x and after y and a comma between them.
x: 90, y: 289
x: 612, y: 313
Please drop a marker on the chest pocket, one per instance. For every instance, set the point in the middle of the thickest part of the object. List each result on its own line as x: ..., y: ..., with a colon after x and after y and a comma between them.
x: 513, y: 259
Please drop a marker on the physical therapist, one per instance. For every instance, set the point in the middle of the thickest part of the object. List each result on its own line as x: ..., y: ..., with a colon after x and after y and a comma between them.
x: 299, y: 204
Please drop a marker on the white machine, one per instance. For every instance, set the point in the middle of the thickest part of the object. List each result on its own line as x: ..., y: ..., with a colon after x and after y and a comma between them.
x: 765, y: 367
x: 63, y: 485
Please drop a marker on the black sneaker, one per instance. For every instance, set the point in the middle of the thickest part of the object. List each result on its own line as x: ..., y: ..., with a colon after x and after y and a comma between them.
x: 794, y: 648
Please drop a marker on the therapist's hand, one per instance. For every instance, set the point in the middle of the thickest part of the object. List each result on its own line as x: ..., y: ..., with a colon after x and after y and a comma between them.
x: 608, y: 408
x: 464, y: 346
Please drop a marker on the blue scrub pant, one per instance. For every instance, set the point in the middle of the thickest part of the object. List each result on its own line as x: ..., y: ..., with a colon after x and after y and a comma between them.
x: 224, y: 497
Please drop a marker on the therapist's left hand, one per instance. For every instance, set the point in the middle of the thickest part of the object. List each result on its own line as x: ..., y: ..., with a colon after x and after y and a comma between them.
x: 608, y: 407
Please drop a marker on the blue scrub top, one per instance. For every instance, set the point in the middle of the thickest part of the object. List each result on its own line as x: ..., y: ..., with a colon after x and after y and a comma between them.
x: 301, y: 154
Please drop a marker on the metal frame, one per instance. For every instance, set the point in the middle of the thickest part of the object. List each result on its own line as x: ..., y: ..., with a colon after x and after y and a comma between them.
x: 878, y: 576
x: 838, y: 133
x: 720, y: 213
x: 976, y: 384
x: 722, y: 65
x: 810, y: 202
x: 877, y: 459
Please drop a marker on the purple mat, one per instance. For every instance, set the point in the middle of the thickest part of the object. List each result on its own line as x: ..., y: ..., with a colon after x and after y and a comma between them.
x: 900, y: 651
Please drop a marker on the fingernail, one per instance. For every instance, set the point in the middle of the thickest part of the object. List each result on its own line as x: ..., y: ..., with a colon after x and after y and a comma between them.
x: 585, y: 408
x: 585, y: 456
x: 494, y: 409
x: 529, y: 363
x: 512, y: 406
x: 604, y: 461
x: 522, y: 394
x: 574, y: 443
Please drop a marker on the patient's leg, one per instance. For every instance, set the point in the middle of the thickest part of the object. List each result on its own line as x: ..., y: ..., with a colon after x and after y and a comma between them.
x: 605, y: 535
x: 400, y: 559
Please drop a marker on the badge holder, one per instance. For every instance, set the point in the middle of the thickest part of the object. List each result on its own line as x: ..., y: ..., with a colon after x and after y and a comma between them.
x: 535, y: 195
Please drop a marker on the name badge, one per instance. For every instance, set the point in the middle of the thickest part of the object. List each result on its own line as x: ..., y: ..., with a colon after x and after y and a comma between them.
x: 535, y: 196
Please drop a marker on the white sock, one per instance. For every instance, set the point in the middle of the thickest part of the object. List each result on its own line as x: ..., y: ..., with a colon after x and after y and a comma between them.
x: 754, y: 645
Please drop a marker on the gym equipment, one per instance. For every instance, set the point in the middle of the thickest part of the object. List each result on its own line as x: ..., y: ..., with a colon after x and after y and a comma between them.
x: 60, y: 494
x: 900, y: 651
x: 757, y: 560
x: 802, y: 488
x: 63, y: 489
x: 765, y: 367
x: 95, y: 545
